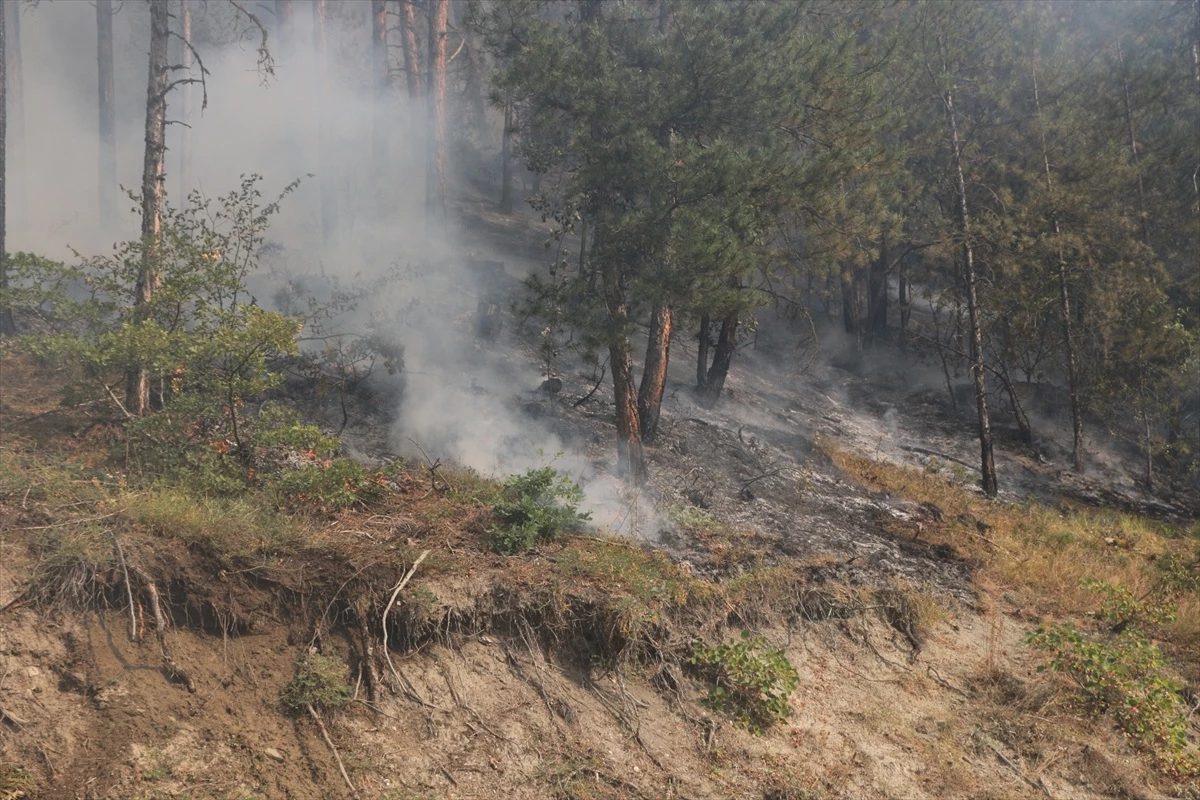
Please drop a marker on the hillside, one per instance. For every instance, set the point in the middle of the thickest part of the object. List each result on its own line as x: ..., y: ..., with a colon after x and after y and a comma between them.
x: 822, y: 510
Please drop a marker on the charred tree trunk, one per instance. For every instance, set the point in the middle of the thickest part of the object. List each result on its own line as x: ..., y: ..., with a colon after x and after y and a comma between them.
x: 654, y: 371
x: 137, y: 380
x: 987, y: 458
x: 412, y: 55
x: 714, y: 380
x: 108, y: 118
x: 7, y: 327
x: 506, y: 175
x: 877, y: 295
x: 185, y: 145
x: 379, y: 65
x: 852, y: 315
x: 435, y: 184
x: 631, y: 463
x: 329, y: 210
x: 1064, y: 296
x: 704, y: 341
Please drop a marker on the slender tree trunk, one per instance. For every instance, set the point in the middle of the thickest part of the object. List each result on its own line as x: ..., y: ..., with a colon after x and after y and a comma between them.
x: 412, y: 53
x: 7, y: 328
x: 714, y: 381
x: 474, y: 78
x: 704, y: 341
x: 506, y: 176
x: 108, y: 118
x: 654, y: 371
x: 852, y: 304
x: 987, y: 457
x: 16, y: 119
x: 137, y: 381
x: 185, y: 146
x: 905, y: 302
x: 379, y: 65
x: 435, y: 186
x: 329, y: 209
x: 1134, y: 154
x: 877, y: 294
x: 631, y: 462
x: 1064, y: 291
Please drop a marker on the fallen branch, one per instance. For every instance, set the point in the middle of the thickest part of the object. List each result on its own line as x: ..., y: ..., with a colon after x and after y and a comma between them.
x: 432, y: 466
x: 160, y: 630
x: 926, y: 452
x: 404, y: 683
x: 128, y: 589
x: 600, y: 380
x: 336, y: 756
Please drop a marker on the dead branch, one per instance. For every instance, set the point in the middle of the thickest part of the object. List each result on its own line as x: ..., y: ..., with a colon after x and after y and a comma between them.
x: 927, y: 452
x: 128, y: 589
x: 404, y: 683
x: 432, y: 466
x: 336, y: 756
x: 160, y: 630
x: 600, y: 380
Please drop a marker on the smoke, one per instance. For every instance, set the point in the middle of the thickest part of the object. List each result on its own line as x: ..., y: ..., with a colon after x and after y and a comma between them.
x: 461, y: 398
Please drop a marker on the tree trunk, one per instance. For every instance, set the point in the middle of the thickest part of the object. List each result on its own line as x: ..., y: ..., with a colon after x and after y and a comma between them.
x: 285, y: 25
x: 631, y: 462
x: 379, y: 65
x: 987, y: 458
x: 702, y: 352
x: 714, y: 381
x: 435, y: 185
x: 506, y: 176
x: 412, y: 53
x: 7, y: 328
x: 852, y: 304
x: 185, y: 146
x: 877, y: 295
x: 1064, y: 293
x: 329, y: 210
x: 654, y: 371
x: 905, y: 303
x: 137, y: 380
x: 474, y: 78
x: 15, y: 76
x: 108, y: 119
x: 1134, y: 155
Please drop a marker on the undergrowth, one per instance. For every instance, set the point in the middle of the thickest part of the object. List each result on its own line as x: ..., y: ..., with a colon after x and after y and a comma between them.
x: 535, y: 506
x: 321, y: 682
x: 747, y: 679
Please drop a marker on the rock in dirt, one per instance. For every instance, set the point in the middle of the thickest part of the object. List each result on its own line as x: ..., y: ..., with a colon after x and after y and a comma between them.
x: 272, y: 753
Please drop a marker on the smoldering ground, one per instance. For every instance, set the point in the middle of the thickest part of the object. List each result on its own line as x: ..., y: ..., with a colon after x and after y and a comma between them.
x: 408, y: 267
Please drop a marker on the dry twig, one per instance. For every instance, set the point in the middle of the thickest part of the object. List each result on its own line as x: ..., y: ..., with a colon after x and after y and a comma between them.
x: 336, y: 756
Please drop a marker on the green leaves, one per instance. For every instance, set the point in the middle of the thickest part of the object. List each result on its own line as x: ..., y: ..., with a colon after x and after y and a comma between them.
x: 537, y: 505
x: 748, y: 680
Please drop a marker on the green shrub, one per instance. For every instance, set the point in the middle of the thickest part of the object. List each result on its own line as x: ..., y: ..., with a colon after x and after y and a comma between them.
x: 1124, y: 675
x: 533, y: 507
x: 321, y: 682
x: 748, y: 680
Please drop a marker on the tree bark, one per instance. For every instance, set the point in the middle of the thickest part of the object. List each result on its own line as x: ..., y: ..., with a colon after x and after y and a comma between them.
x: 329, y: 210
x: 1064, y: 292
x: 185, y: 145
x: 631, y: 463
x: 654, y: 371
x: 714, y: 381
x: 379, y: 65
x: 108, y: 119
x: 702, y: 352
x: 506, y: 176
x: 7, y: 327
x: 15, y: 76
x: 987, y: 458
x: 137, y: 380
x: 877, y: 295
x: 412, y: 53
x: 435, y: 186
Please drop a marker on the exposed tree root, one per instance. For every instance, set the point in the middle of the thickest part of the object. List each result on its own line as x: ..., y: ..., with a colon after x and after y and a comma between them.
x: 336, y: 756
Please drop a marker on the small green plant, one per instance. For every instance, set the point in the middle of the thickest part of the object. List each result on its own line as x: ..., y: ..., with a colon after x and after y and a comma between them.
x: 692, y: 518
x: 535, y: 506
x: 321, y: 682
x: 1123, y: 674
x: 747, y: 679
x: 15, y: 780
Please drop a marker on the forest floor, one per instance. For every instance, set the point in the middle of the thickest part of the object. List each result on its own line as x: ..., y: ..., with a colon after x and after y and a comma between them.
x: 829, y: 510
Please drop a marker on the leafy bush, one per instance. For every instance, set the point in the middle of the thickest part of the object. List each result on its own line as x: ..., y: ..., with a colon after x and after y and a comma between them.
x: 1125, y: 675
x: 533, y: 507
x: 331, y: 485
x: 321, y: 682
x: 748, y: 679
